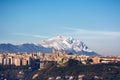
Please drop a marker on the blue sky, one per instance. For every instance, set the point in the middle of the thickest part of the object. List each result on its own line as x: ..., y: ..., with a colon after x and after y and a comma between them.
x: 95, y: 22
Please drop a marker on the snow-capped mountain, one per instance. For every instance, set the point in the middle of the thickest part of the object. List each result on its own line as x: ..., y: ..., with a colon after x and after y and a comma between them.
x: 59, y: 43
x: 62, y: 43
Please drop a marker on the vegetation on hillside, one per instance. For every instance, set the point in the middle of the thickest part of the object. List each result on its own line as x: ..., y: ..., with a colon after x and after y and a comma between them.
x: 109, y: 71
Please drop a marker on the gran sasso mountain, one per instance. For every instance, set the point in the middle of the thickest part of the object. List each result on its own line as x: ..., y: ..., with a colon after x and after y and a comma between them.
x: 59, y: 43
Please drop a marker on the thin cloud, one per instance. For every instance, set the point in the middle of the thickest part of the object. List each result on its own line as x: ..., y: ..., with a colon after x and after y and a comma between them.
x: 92, y: 34
x: 30, y: 35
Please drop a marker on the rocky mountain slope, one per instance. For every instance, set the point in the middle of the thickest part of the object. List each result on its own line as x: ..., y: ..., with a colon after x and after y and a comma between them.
x: 59, y: 43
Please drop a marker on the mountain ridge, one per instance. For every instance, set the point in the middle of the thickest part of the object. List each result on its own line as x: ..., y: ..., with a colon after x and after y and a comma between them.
x: 59, y: 43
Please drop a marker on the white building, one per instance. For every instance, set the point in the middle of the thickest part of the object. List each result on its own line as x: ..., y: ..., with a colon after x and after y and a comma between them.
x: 4, y: 61
x: 17, y: 61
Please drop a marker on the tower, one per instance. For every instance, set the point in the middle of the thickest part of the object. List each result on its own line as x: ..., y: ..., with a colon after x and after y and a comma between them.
x: 53, y: 50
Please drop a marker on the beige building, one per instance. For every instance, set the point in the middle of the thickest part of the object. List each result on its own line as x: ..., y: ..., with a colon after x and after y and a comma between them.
x: 24, y: 62
x: 1, y: 60
x: 96, y: 60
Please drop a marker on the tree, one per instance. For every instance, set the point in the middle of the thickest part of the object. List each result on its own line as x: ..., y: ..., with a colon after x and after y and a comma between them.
x: 72, y: 62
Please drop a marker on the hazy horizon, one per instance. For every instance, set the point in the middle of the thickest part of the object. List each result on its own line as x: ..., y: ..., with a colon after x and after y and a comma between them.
x: 95, y: 22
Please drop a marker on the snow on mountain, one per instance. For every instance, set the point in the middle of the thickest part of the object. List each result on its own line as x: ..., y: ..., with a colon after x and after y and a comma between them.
x: 59, y: 43
x: 63, y: 43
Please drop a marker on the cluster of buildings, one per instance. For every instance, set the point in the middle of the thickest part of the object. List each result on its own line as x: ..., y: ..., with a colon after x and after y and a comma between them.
x: 79, y: 77
x: 23, y: 59
x: 39, y: 61
x: 14, y: 59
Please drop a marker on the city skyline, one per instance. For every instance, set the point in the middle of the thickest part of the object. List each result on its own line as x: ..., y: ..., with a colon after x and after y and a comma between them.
x: 95, y: 22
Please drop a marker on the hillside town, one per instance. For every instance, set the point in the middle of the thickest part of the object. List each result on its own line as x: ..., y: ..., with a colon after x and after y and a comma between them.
x: 39, y: 61
x: 23, y: 59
